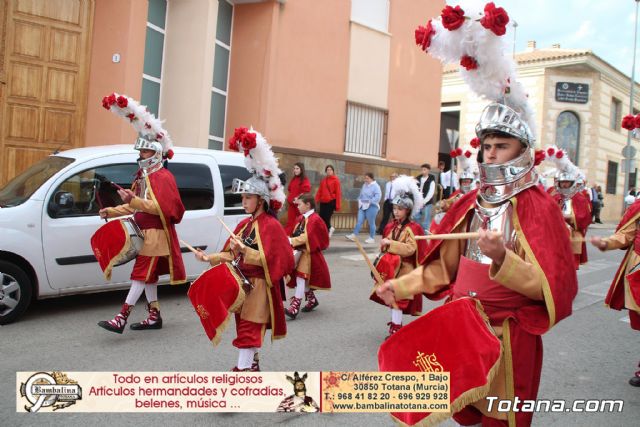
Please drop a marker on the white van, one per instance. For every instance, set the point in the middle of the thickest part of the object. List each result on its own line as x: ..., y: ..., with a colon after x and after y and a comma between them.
x: 49, y: 213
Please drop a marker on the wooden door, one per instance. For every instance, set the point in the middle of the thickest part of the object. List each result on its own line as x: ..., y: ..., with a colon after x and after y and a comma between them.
x: 44, y: 62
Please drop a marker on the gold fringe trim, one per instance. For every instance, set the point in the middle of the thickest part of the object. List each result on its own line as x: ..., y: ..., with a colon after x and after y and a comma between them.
x: 620, y: 276
x: 237, y: 304
x: 172, y: 281
x: 508, y: 368
x: 125, y: 248
x: 469, y: 396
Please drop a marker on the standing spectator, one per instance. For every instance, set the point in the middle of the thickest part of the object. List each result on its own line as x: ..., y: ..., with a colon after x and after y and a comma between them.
x: 299, y: 185
x: 368, y: 207
x: 600, y: 203
x: 329, y: 196
x: 595, y: 203
x: 449, y: 182
x: 387, y: 206
x: 427, y: 186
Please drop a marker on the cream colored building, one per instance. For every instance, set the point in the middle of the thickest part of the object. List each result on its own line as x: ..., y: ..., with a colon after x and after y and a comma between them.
x: 579, y: 101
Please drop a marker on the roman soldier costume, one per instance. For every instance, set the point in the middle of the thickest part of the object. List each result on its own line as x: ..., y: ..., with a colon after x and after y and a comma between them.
x: 309, y: 238
x: 567, y: 191
x: 532, y: 288
x: 266, y: 258
x: 403, y: 253
x: 156, y: 208
x: 624, y: 292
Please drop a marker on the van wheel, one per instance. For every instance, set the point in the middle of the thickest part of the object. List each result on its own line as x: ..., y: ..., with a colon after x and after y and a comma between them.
x: 15, y: 292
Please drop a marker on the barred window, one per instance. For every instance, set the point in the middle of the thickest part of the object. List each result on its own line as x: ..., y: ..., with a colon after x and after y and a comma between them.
x: 366, y: 130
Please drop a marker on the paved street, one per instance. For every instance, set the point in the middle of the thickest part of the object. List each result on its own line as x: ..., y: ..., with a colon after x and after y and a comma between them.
x: 590, y: 355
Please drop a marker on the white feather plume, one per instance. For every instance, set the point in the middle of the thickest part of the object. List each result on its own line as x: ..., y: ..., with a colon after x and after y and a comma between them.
x: 468, y: 160
x: 562, y: 163
x: 405, y: 185
x: 262, y: 162
x: 143, y: 121
x: 495, y: 78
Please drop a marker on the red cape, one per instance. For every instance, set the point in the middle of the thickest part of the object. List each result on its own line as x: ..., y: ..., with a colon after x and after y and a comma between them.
x: 417, y: 230
x: 615, y: 296
x: 582, y: 219
x: 411, y: 306
x: 541, y: 230
x: 164, y: 192
x: 276, y: 254
x: 317, y: 241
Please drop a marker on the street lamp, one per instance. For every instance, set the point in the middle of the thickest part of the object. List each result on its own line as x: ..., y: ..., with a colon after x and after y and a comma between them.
x: 627, y: 159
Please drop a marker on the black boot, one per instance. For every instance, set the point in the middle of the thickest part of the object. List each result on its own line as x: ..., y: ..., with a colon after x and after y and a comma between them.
x: 118, y: 323
x: 154, y: 321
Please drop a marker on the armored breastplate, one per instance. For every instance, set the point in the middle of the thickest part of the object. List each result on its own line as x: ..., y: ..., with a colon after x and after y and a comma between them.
x: 498, y: 218
x: 567, y: 208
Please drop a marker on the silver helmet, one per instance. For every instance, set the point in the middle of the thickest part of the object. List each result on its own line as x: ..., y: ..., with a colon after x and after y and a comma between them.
x: 467, y: 175
x: 500, y: 182
x: 500, y: 118
x: 253, y: 185
x: 577, y: 183
x: 408, y: 195
x: 145, y: 144
x: 404, y: 200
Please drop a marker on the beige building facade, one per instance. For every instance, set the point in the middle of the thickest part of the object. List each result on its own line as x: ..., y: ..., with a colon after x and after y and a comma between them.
x: 327, y: 82
x: 579, y: 100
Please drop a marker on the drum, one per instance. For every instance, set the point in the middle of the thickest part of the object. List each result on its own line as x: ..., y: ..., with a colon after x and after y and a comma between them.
x: 115, y: 243
x: 387, y: 265
x: 215, y: 294
x: 454, y: 338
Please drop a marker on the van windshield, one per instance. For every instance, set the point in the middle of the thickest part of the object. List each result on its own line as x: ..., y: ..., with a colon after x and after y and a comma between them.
x: 20, y: 188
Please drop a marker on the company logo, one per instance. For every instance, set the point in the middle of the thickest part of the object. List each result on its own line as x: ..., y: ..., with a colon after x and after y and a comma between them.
x: 53, y: 390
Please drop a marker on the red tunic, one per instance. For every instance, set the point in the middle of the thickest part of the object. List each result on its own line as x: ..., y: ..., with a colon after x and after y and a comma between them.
x: 579, y: 222
x: 164, y: 192
x: 296, y: 187
x: 615, y: 298
x: 317, y: 241
x: 547, y: 244
x: 411, y: 306
x: 276, y: 251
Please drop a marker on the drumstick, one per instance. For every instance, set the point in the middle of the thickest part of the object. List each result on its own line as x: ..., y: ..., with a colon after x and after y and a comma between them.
x: 450, y: 236
x: 192, y: 249
x: 233, y: 236
x: 375, y: 272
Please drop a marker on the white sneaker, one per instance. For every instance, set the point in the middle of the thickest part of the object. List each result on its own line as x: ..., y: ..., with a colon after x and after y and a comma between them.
x: 351, y: 237
x: 370, y: 241
x: 331, y: 230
